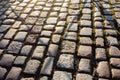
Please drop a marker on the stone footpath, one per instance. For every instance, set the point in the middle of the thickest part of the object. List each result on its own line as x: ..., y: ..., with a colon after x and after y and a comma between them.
x: 59, y: 40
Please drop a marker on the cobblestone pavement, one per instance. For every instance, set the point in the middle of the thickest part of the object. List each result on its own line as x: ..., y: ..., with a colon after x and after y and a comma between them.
x: 59, y: 40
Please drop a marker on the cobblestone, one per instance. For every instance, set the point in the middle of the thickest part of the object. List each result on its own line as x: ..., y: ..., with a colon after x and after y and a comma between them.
x: 14, y: 47
x: 47, y: 66
x: 114, y: 51
x: 14, y: 73
x: 39, y: 52
x: 32, y: 67
x: 116, y: 73
x: 83, y: 76
x: 59, y: 40
x: 20, y: 36
x: 100, y: 54
x: 4, y: 43
x: 85, y: 51
x: 20, y: 60
x: 7, y: 60
x: 26, y: 49
x: 84, y: 65
x: 103, y: 69
x: 66, y: 61
x: 62, y: 75
x: 68, y: 47
x: 52, y: 50
x: 2, y: 72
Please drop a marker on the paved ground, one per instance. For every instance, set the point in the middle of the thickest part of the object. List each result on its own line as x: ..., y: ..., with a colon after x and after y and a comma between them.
x: 59, y: 40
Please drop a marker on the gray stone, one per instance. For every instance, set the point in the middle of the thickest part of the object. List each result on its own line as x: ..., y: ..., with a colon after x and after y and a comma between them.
x: 56, y: 38
x: 43, y: 41
x: 86, y: 1
x: 85, y: 40
x: 112, y: 40
x: 51, y: 20
x: 102, y: 79
x: 74, y: 6
x: 84, y: 65
x: 40, y: 21
x: 85, y: 51
x: 59, y: 30
x: 8, y: 21
x: 4, y: 43
x: 75, y: 1
x: 86, y: 10
x: 39, y: 52
x: 98, y: 33
x: 97, y: 14
x: 98, y: 24
x: 16, y: 24
x: 34, y: 13
x: 25, y: 27
x: 1, y: 52
x: 114, y: 51
x: 27, y: 78
x: 61, y: 23
x: 63, y: 9
x: 4, y: 28
x: 66, y: 61
x: 26, y: 49
x: 86, y: 5
x: 73, y: 12
x: 98, y: 19
x: 20, y: 36
x: 20, y: 60
x: 10, y: 33
x: 72, y: 27
x: 86, y: 32
x: 86, y: 17
x: 72, y: 19
x: 56, y: 8
x: 2, y: 73
x: 100, y: 54
x: 115, y: 62
x: 47, y: 66
x: 62, y: 75
x: 44, y: 14
x: 110, y: 18
x: 36, y: 29
x: 106, y: 5
x: 103, y: 69
x: 46, y: 33
x: 116, y: 73
x: 32, y: 66
x: 117, y: 14
x: 49, y: 27
x: 100, y: 42
x: 30, y: 20
x: 110, y: 32
x: 63, y: 16
x: 52, y: 50
x: 70, y: 36
x: 82, y: 76
x: 53, y: 14
x: 85, y: 23
x: 7, y: 60
x: 44, y: 78
x: 14, y: 47
x: 14, y: 73
x: 68, y: 47
x: 107, y: 12
x: 31, y: 38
